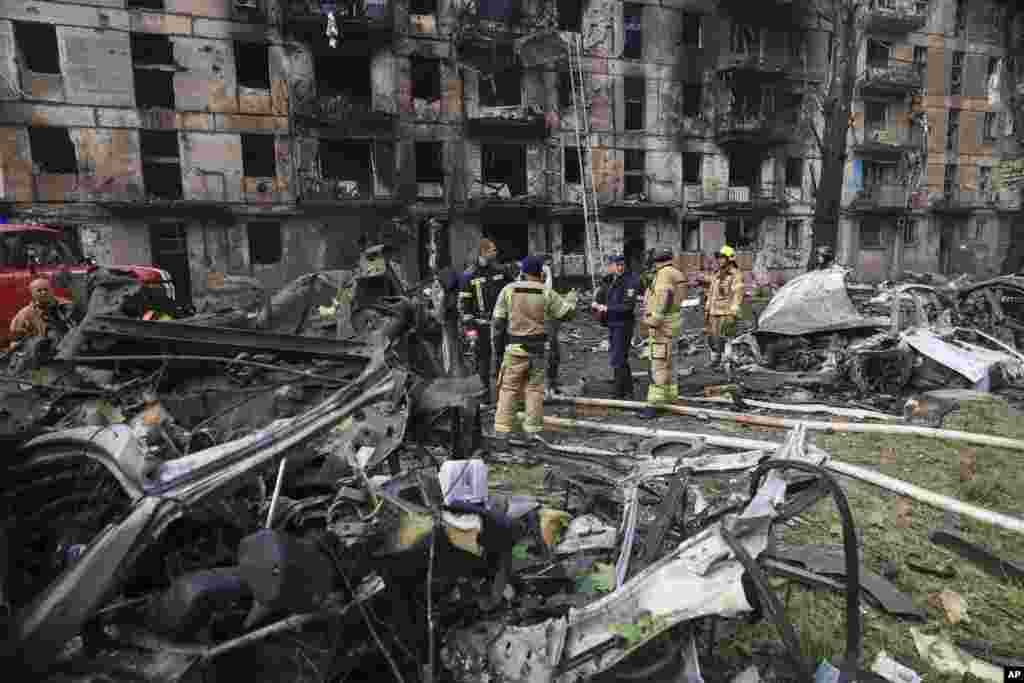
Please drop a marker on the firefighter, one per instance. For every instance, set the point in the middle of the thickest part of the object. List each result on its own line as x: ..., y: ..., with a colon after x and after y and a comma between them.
x: 35, y: 319
x: 664, y: 319
x: 518, y: 327
x: 620, y: 309
x: 725, y: 294
x: 476, y: 304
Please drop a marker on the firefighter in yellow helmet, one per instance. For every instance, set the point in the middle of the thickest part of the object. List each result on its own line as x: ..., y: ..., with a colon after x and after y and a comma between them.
x: 664, y: 323
x: 724, y: 296
x: 518, y: 330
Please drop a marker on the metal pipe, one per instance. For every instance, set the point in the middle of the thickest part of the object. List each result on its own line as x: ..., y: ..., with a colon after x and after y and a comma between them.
x: 277, y: 492
x: 788, y: 423
x: 853, y: 471
x: 853, y: 413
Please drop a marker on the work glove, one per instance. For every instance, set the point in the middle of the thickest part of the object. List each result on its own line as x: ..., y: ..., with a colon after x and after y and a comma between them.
x: 572, y: 297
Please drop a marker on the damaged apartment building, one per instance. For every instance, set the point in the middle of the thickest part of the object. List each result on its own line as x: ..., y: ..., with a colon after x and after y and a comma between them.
x: 268, y: 138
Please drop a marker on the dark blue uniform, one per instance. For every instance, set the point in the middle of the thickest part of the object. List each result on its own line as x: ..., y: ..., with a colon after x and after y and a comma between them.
x: 622, y: 294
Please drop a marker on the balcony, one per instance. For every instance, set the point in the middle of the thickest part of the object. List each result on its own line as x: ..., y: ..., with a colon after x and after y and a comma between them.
x: 881, y: 197
x: 893, y: 79
x: 763, y: 197
x: 488, y: 30
x: 778, y: 65
x: 885, y: 141
x: 345, y: 114
x: 966, y: 201
x: 359, y: 22
x: 757, y: 129
x: 897, y: 16
x: 511, y: 122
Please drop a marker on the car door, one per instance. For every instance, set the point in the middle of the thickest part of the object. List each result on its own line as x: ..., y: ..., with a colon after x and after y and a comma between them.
x: 10, y: 298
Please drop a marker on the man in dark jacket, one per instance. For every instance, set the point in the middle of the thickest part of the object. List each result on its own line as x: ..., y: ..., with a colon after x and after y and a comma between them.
x: 621, y: 298
x: 476, y: 305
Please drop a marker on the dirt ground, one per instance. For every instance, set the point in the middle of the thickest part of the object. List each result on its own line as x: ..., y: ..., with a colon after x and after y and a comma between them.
x: 890, y: 529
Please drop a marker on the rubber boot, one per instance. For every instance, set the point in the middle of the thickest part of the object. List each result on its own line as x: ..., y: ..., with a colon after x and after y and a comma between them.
x: 625, y: 384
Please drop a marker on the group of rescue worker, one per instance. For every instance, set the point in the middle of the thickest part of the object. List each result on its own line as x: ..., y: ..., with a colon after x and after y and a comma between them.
x: 518, y: 311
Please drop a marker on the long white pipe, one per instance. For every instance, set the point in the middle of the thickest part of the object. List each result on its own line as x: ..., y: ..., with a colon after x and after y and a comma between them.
x: 787, y: 423
x: 853, y: 471
x: 810, y: 408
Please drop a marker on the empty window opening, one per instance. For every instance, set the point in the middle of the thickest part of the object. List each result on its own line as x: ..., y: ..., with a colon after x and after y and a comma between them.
x: 878, y: 174
x: 794, y: 172
x: 953, y: 130
x: 741, y: 232
x: 423, y: 7
x: 633, y: 31
x: 745, y: 39
x: 980, y: 227
x: 343, y: 75
x: 634, y: 172
x: 348, y: 161
x: 956, y: 75
x: 693, y: 30
x: 574, y: 237
x: 504, y: 89
x: 154, y: 88
x: 564, y: 89
x: 572, y: 165
x: 161, y: 163
x: 52, y: 150
x: 876, y: 115
x: 950, y: 179
x: 878, y: 54
x: 429, y: 162
x: 252, y: 63
x: 793, y: 230
x: 692, y: 162
x: 37, y: 44
x: 990, y: 126
x: 909, y: 232
x: 258, y: 157
x: 744, y: 170
x: 144, y: 4
x: 920, y: 55
x: 797, y: 43
x: 871, y: 233
x: 691, y: 235
x: 570, y: 15
x: 426, y: 78
x: 985, y: 188
x: 634, y: 92
x: 692, y: 95
x: 505, y: 165
x: 959, y: 18
x: 264, y: 243
x: 151, y: 49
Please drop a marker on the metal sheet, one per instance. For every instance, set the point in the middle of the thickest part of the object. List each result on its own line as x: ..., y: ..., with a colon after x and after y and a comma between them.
x: 813, y: 302
x: 970, y: 361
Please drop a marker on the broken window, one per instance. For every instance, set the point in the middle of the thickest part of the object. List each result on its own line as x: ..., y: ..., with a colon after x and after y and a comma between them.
x: 348, y: 161
x: 37, y: 45
x: 876, y: 115
x: 52, y: 150
x: 870, y: 233
x: 909, y: 231
x: 741, y: 232
x: 264, y: 243
x: 633, y: 92
x: 429, y: 162
x: 745, y: 39
x: 570, y: 15
x: 877, y: 174
x: 921, y: 55
x: 426, y: 78
x: 151, y: 49
x: 950, y: 179
x: 505, y: 165
x: 985, y: 182
x: 633, y: 31
x: 258, y: 158
x: 161, y: 163
x: 980, y: 227
x: 959, y: 19
x: 422, y: 6
x: 693, y: 30
x: 744, y: 170
x: 144, y: 4
x: 574, y: 237
x: 990, y: 127
x: 691, y: 234
x: 692, y: 162
x: 692, y: 95
x: 571, y: 168
x: 252, y: 64
x: 503, y: 89
x: 153, y: 69
x: 878, y: 54
x: 343, y: 76
x: 564, y: 89
x: 953, y: 131
x: 956, y: 75
x: 634, y: 172
x: 794, y: 172
x: 793, y: 230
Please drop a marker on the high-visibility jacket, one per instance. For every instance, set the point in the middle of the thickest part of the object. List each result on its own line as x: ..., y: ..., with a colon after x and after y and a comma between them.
x: 665, y: 299
x: 526, y: 306
x: 725, y: 293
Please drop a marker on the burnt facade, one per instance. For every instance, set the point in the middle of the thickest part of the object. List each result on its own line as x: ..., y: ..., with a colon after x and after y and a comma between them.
x: 217, y: 137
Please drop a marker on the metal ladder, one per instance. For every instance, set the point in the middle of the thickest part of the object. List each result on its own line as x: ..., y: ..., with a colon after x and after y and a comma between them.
x: 588, y: 198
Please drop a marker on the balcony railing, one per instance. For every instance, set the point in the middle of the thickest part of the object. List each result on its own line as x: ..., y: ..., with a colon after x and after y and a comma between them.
x: 733, y: 195
x: 968, y: 200
x: 886, y: 139
x: 516, y: 121
x: 764, y: 64
x: 897, y: 16
x: 892, y: 78
x: 356, y: 19
x: 757, y: 128
x: 342, y: 110
x: 336, y: 189
x: 882, y: 196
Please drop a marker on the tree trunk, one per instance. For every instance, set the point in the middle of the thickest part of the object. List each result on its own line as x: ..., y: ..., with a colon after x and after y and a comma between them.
x: 1014, y: 260
x: 838, y: 104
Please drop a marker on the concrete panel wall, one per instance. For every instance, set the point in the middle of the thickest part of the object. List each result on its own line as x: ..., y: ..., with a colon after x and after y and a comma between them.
x: 97, y: 66
x: 212, y: 166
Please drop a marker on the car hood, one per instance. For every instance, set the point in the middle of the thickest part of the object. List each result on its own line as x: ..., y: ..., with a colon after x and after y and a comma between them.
x: 813, y: 302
